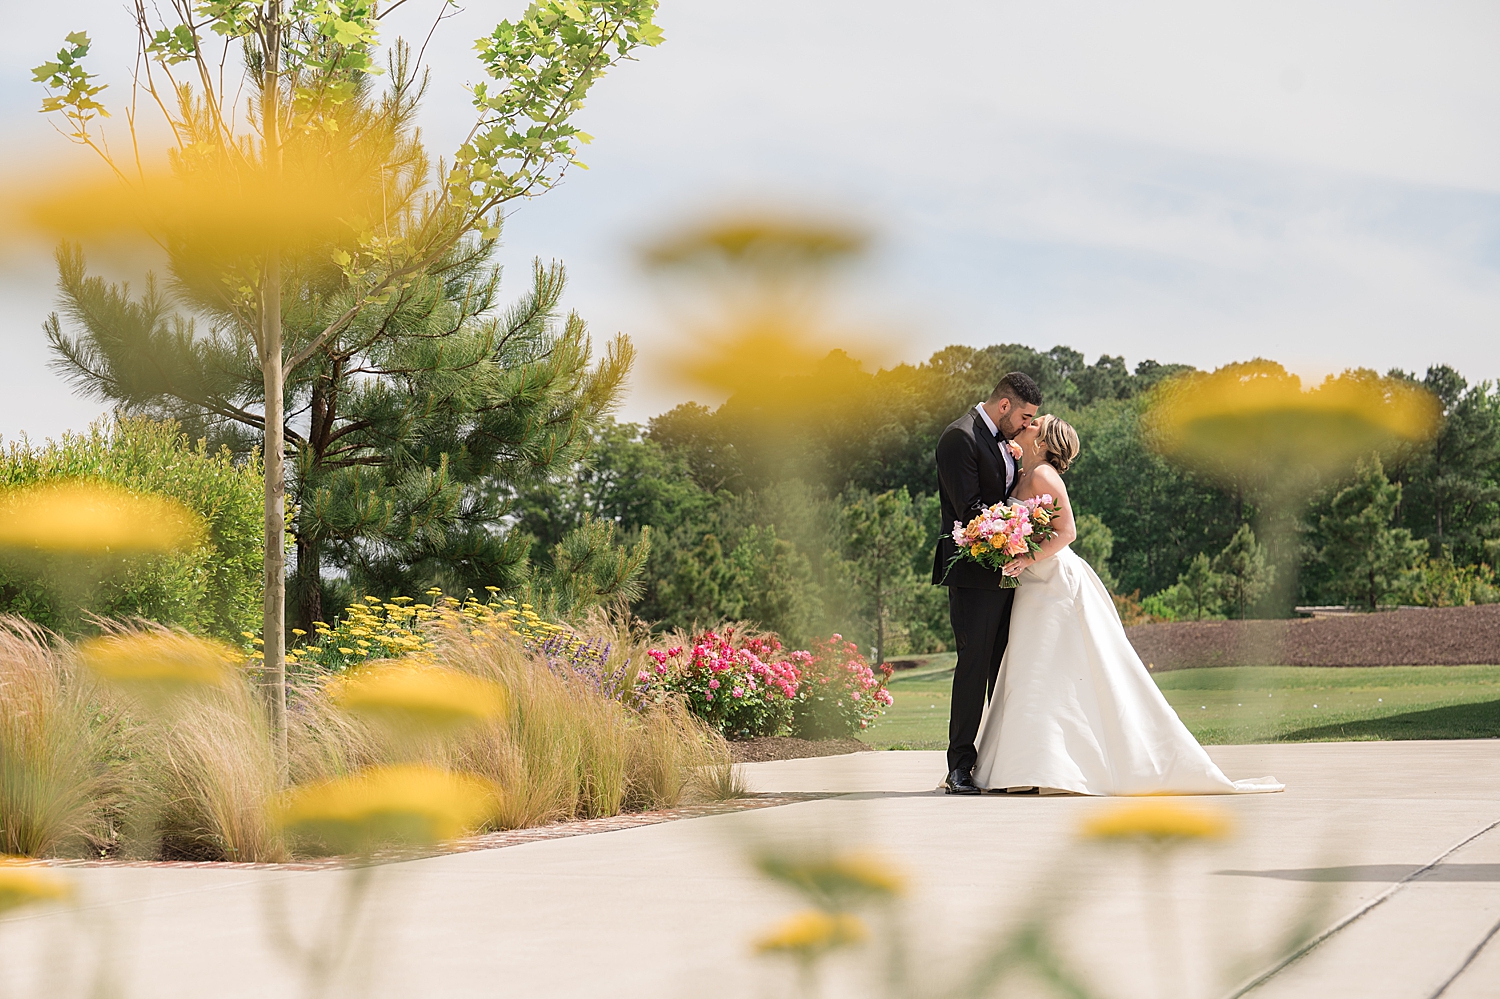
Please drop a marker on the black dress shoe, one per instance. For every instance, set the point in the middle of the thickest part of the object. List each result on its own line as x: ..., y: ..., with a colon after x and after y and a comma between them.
x: 960, y: 782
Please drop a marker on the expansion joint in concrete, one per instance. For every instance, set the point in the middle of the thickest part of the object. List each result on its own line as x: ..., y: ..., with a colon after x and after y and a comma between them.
x: 1366, y: 909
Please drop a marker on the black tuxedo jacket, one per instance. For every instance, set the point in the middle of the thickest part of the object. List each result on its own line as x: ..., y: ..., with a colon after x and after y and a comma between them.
x: 971, y: 476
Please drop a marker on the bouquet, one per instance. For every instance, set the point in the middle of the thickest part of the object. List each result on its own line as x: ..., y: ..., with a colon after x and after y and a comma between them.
x: 1002, y: 533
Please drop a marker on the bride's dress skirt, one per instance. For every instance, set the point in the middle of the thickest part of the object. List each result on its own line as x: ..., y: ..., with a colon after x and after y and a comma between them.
x: 1075, y: 709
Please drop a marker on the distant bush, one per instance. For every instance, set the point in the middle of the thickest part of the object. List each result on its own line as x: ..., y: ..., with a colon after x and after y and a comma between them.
x: 1441, y: 582
x: 213, y: 587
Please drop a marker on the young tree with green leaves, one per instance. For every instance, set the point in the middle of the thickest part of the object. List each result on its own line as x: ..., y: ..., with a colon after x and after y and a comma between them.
x: 1244, y: 571
x: 300, y: 179
x: 1367, y: 558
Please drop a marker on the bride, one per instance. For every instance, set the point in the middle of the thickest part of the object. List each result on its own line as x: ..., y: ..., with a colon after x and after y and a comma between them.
x: 1074, y: 709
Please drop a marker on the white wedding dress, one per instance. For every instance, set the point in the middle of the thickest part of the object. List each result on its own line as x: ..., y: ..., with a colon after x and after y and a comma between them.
x: 1075, y: 710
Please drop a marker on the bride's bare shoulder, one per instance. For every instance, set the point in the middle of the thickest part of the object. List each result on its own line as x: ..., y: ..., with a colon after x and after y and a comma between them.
x: 1046, y: 479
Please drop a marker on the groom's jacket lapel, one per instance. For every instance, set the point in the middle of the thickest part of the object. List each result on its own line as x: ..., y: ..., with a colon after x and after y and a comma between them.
x: 990, y: 441
x: 971, y: 475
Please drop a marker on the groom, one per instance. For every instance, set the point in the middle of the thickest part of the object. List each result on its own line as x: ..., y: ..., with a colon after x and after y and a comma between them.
x: 975, y: 470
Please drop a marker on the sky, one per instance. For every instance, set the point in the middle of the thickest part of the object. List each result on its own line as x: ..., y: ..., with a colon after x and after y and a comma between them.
x: 1313, y: 182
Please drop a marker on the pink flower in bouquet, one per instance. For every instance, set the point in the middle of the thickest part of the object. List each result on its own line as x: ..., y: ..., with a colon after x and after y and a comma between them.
x: 713, y: 685
x: 1015, y: 546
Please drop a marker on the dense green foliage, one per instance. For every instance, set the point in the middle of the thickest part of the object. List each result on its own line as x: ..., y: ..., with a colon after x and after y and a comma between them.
x: 751, y: 504
x: 213, y: 587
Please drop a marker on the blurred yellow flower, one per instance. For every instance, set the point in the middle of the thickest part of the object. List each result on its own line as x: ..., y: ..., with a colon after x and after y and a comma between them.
x: 158, y: 659
x: 84, y: 517
x: 1158, y: 821
x: 401, y: 805
x: 418, y: 695
x: 836, y: 880
x: 23, y: 885
x: 1256, y: 419
x: 810, y: 933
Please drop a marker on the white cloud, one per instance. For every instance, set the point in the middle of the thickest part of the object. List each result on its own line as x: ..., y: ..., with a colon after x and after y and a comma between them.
x: 1318, y: 182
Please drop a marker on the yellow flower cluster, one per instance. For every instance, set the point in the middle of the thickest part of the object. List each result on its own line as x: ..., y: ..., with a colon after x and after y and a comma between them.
x: 407, y: 805
x: 22, y: 883
x: 426, y: 696
x: 1158, y: 822
x: 398, y: 628
x: 158, y: 660
x: 811, y: 933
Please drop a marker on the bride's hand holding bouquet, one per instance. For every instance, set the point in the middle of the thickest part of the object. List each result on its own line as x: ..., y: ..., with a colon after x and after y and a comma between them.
x: 1007, y: 537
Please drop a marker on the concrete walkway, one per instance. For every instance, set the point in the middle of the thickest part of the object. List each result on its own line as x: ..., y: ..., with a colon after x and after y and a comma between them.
x: 1395, y: 847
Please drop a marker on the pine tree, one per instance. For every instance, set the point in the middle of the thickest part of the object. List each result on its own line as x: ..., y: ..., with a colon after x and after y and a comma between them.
x: 1197, y: 593
x: 1366, y: 556
x: 879, y: 534
x: 1244, y: 573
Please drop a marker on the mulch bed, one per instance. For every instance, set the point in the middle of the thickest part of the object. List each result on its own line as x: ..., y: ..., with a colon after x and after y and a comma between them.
x: 785, y: 747
x: 1439, y: 636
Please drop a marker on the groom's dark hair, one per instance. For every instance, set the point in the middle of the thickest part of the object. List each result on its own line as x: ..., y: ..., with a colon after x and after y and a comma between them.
x: 1018, y: 387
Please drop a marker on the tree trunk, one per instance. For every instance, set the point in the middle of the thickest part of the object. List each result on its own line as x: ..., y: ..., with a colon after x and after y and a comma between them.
x: 309, y: 584
x: 273, y: 624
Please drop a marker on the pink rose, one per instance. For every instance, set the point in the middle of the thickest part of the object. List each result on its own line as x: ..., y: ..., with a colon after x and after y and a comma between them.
x: 1015, y: 546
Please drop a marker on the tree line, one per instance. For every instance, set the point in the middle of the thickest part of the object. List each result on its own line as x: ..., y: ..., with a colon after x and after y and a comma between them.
x: 813, y: 508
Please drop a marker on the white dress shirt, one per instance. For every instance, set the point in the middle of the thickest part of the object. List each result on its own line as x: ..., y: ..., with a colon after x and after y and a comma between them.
x: 1010, y: 463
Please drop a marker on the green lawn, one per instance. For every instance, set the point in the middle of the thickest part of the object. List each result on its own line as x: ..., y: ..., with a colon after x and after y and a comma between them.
x: 1257, y: 704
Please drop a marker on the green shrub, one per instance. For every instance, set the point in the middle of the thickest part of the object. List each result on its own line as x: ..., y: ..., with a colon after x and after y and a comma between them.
x: 212, y: 588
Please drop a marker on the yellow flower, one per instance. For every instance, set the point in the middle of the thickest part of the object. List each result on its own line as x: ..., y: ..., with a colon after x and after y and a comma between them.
x: 1256, y: 419
x: 1158, y: 821
x: 298, y: 632
x: 346, y: 651
x: 159, y: 659
x: 83, y: 517
x: 403, y: 805
x: 374, y: 600
x: 836, y: 880
x: 435, y: 698
x: 23, y: 885
x: 810, y: 933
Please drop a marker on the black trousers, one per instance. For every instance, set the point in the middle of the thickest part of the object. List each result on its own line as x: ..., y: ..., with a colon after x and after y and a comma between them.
x: 981, y: 627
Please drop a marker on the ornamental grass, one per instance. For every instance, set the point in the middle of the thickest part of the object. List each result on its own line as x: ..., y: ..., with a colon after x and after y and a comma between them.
x: 61, y: 788
x: 147, y: 742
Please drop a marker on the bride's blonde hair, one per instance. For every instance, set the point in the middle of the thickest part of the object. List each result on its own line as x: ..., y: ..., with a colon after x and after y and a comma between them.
x: 1059, y: 440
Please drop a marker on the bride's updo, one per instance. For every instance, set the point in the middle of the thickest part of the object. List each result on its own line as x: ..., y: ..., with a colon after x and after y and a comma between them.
x: 1059, y: 441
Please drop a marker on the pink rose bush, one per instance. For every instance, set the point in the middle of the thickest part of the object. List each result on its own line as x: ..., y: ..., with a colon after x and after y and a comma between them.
x: 752, y: 687
x: 742, y: 687
x: 841, y: 693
